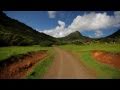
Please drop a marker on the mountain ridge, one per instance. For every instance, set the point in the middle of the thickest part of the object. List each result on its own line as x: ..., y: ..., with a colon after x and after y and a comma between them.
x: 115, y: 37
x: 13, y: 32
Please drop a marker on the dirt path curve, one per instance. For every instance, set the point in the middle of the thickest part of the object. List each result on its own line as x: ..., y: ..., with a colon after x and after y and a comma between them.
x: 66, y: 66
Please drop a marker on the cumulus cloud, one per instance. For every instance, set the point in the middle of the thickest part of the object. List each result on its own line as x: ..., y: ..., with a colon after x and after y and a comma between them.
x: 88, y: 22
x: 95, y: 21
x: 58, y: 31
x: 52, y: 14
x: 98, y: 34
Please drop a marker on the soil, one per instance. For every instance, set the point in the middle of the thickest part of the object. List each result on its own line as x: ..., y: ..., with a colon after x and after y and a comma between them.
x: 17, y: 67
x: 67, y: 66
x: 112, y: 59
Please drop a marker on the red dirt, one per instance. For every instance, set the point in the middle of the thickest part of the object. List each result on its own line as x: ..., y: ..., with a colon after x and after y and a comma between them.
x: 18, y: 68
x: 112, y: 59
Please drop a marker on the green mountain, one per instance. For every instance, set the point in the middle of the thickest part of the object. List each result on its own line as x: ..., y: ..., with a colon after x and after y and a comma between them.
x: 78, y: 38
x: 13, y: 32
x: 115, y: 37
x: 75, y: 38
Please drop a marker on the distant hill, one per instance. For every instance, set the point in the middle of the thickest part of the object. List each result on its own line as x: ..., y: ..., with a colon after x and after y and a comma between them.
x: 75, y: 38
x: 78, y: 38
x: 13, y: 32
x: 115, y: 37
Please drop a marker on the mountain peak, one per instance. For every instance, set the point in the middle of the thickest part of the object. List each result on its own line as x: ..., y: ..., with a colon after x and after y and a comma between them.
x: 13, y: 32
x: 74, y: 36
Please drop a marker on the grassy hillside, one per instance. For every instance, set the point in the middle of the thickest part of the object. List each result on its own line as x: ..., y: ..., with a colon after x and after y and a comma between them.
x: 75, y: 38
x: 78, y: 39
x: 113, y: 38
x: 13, y: 32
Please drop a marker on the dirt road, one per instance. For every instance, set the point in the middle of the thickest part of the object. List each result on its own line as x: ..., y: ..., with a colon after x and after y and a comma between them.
x: 66, y: 66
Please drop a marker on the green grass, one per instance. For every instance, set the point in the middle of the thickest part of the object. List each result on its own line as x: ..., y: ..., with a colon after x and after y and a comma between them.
x: 6, y: 52
x: 41, y: 67
x: 102, y: 70
x: 93, y: 46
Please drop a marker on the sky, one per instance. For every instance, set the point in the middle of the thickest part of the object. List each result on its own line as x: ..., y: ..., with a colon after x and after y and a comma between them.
x: 94, y: 24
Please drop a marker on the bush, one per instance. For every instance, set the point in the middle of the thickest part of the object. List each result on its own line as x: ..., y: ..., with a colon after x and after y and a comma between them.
x: 46, y: 43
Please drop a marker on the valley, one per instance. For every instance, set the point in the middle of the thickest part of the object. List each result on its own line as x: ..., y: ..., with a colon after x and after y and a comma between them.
x: 26, y: 53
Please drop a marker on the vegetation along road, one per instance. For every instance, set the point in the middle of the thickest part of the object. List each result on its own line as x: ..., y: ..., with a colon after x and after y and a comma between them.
x: 66, y: 66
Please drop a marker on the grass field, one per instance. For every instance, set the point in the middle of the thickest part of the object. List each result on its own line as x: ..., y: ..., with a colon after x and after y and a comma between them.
x: 6, y: 52
x: 83, y: 53
x: 40, y: 68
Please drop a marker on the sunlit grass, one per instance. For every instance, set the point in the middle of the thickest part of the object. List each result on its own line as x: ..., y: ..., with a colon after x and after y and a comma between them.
x: 94, y: 46
x: 6, y: 52
x: 83, y: 52
x: 41, y: 67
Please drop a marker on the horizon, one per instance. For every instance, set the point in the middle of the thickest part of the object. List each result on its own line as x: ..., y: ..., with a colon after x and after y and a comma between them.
x: 27, y: 53
x: 93, y: 24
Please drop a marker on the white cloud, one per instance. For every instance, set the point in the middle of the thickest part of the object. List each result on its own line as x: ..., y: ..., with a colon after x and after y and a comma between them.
x: 52, y: 14
x: 98, y: 33
x: 61, y: 23
x: 58, y: 31
x: 94, y: 21
x: 90, y: 36
x: 88, y: 22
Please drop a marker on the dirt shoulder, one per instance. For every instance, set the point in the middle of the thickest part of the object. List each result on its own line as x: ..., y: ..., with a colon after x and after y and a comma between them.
x: 17, y: 67
x: 112, y: 59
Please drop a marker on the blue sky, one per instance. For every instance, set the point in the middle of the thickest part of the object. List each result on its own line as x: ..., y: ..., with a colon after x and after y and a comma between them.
x: 62, y: 23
